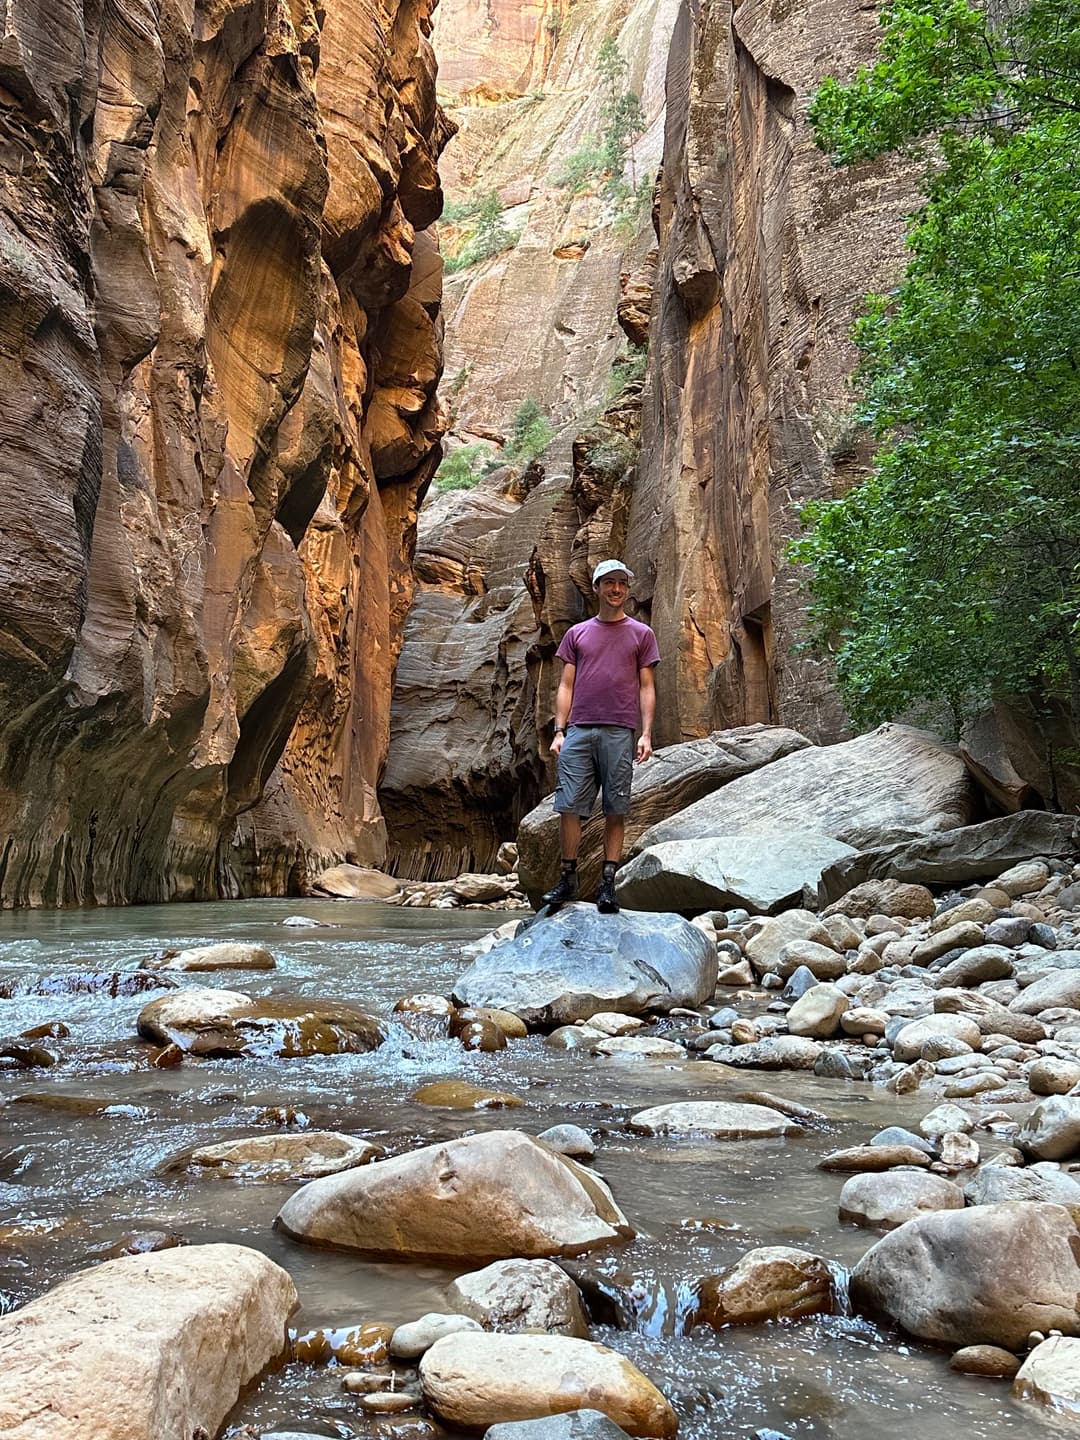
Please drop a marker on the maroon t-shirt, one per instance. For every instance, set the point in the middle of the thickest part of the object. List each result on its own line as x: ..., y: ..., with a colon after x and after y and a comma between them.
x: 608, y: 655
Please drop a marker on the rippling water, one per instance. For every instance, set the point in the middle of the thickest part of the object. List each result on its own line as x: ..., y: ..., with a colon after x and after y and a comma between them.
x: 72, y: 1183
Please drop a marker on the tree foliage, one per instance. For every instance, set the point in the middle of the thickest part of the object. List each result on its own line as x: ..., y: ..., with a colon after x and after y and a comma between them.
x: 606, y: 156
x: 953, y: 571
x: 488, y: 235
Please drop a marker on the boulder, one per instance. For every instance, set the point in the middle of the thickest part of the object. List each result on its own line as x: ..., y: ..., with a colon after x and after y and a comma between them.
x: 1052, y: 1130
x: 989, y: 1274
x: 521, y: 1295
x: 909, y: 1042
x: 773, y: 1283
x: 985, y: 1360
x: 778, y: 1052
x: 675, y: 777
x: 717, y: 1119
x: 994, y: 1184
x: 1023, y: 879
x: 884, y: 1201
x: 989, y: 1015
x: 962, y: 936
x: 1053, y: 1076
x: 772, y: 936
x: 891, y: 784
x: 119, y: 1351
x: 647, y: 1047
x: 277, y: 1158
x: 823, y: 962
x: 489, y: 1196
x: 873, y: 1157
x: 971, y: 852
x: 884, y: 897
x: 570, y: 965
x: 463, y: 1095
x: 1059, y: 989
x: 976, y: 967
x: 226, y: 1022
x: 410, y: 1341
x: 762, y: 872
x: 473, y: 1381
x: 569, y: 1140
x: 214, y: 957
x: 818, y: 1013
x: 356, y: 882
x: 1050, y: 1375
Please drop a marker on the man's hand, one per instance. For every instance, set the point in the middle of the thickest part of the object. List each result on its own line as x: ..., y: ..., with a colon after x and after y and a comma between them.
x: 556, y: 744
x: 644, y: 749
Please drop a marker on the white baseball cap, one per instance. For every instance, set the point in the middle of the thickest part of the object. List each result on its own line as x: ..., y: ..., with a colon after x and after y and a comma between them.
x: 611, y: 567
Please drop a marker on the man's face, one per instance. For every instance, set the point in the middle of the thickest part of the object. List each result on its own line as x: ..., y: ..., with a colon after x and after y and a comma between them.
x: 614, y: 589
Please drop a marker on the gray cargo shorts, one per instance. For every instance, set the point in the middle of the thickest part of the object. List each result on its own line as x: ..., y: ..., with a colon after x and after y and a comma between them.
x: 595, y: 756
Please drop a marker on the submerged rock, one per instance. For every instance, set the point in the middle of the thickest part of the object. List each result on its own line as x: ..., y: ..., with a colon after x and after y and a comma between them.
x: 284, y: 1157
x: 227, y: 1022
x: 489, y: 1196
x: 461, y: 1095
x: 474, y: 1381
x: 714, y: 1118
x: 570, y: 1425
x: 570, y: 965
x: 119, y: 1352
x: 986, y: 1275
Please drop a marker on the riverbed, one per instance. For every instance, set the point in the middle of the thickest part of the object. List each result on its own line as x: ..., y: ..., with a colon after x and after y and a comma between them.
x: 72, y: 1184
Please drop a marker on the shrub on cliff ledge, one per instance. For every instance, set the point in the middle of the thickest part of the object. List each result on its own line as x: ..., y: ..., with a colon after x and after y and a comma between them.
x: 954, y: 570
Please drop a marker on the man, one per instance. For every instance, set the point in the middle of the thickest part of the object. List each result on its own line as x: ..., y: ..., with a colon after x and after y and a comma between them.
x: 605, y: 690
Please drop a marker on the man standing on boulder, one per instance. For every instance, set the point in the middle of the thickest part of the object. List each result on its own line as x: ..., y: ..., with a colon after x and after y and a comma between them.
x: 606, y: 690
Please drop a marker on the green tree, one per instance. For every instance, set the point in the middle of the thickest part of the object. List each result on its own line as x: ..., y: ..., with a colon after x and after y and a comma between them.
x: 623, y: 120
x: 531, y: 432
x: 954, y: 569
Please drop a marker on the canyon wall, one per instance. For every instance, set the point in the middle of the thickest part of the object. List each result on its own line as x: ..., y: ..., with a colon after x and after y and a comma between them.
x: 220, y: 341
x: 762, y: 253
x: 536, y: 322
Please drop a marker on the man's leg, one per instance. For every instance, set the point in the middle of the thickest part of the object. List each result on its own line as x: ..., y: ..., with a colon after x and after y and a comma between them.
x: 570, y: 835
x: 618, y: 772
x: 614, y: 829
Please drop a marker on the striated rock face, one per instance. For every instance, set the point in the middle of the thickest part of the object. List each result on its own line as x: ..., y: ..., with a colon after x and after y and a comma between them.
x: 502, y: 570
x: 765, y: 254
x: 219, y: 341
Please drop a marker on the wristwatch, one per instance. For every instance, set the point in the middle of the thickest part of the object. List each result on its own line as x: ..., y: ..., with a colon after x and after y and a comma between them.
x: 560, y: 729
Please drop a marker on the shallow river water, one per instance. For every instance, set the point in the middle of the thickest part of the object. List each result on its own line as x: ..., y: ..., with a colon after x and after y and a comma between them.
x: 71, y: 1184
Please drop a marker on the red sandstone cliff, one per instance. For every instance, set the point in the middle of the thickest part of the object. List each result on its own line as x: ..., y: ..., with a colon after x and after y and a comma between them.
x: 220, y: 340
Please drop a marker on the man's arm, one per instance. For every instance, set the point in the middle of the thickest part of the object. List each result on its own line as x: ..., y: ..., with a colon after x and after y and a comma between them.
x: 564, y: 699
x: 647, y: 702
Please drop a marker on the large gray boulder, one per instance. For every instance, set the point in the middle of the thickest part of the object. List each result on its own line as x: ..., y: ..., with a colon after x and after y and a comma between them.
x: 570, y: 965
x: 674, y: 778
x: 763, y: 873
x: 119, y: 1352
x: 893, y: 784
x: 986, y: 1275
x: 972, y: 852
x: 488, y: 1196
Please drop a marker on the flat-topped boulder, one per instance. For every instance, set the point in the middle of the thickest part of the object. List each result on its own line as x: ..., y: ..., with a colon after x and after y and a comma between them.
x: 675, y: 777
x: 356, y: 882
x: 485, y: 1197
x: 761, y: 872
x: 119, y: 1351
x: 471, y: 1381
x: 203, y: 1021
x: 227, y: 956
x: 895, y: 783
x: 277, y: 1158
x: 570, y: 965
x: 969, y: 852
x: 985, y: 1275
x: 716, y: 1119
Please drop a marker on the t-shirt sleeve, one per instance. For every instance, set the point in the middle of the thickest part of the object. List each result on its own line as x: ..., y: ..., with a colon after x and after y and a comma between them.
x: 568, y: 647
x: 648, y: 650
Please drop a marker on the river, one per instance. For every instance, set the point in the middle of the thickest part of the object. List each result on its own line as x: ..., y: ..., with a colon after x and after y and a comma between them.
x: 71, y: 1184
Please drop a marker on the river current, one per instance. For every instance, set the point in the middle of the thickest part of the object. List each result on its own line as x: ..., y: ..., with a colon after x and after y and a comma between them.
x: 73, y: 1183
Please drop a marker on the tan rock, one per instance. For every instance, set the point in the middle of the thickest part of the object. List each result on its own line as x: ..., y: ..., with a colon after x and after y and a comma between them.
x: 770, y: 938
x: 357, y: 882
x: 474, y: 1381
x: 119, y: 1351
x: 985, y: 1360
x: 216, y: 957
x: 773, y: 1283
x: 647, y: 1047
x: 980, y: 911
x: 488, y: 1196
x: 1050, y: 1375
x: 278, y: 1158
x: 988, y: 1274
x: 888, y: 1199
x: 226, y: 1022
x: 873, y: 1157
x: 909, y: 1043
x: 462, y: 1095
x: 884, y: 897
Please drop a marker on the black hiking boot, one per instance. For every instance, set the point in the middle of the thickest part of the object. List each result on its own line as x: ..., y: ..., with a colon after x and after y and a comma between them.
x: 605, y: 897
x: 564, y: 892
